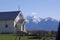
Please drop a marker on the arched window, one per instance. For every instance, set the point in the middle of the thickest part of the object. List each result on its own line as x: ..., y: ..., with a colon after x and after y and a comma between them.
x: 15, y: 26
x: 6, y: 25
x: 23, y: 26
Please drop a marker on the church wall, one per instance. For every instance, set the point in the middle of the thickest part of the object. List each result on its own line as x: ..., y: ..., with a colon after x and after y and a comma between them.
x: 7, y: 26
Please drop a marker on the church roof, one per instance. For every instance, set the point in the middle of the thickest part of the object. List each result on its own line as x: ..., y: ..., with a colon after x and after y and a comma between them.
x: 10, y: 15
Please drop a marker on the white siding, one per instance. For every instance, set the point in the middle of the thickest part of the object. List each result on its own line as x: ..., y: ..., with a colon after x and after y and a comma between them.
x: 10, y: 27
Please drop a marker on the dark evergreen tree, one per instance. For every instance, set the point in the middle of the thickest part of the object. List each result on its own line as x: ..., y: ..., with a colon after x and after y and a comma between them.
x: 58, y: 33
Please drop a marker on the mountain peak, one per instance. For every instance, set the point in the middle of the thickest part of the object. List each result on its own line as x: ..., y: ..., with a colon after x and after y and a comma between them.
x: 35, y: 19
x: 37, y: 23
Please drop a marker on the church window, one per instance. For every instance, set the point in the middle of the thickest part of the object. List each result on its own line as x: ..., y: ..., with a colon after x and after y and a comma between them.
x: 6, y: 26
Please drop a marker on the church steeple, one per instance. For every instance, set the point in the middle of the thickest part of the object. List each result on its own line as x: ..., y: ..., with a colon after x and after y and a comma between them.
x: 19, y: 8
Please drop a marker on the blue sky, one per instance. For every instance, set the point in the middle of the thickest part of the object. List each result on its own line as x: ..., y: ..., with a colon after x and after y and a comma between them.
x: 42, y: 8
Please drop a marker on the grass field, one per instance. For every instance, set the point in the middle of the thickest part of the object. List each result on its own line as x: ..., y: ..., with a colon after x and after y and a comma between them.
x: 13, y: 36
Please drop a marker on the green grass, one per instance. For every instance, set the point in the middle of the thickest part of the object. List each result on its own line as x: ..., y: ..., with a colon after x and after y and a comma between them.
x: 13, y: 36
x: 7, y: 37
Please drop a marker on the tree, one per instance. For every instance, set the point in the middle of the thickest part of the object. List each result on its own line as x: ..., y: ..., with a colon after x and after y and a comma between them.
x: 58, y: 33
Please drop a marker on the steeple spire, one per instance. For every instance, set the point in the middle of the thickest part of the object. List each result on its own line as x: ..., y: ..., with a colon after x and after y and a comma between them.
x: 18, y: 7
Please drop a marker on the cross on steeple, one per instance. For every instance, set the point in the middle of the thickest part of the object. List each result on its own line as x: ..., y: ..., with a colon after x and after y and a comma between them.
x: 19, y: 8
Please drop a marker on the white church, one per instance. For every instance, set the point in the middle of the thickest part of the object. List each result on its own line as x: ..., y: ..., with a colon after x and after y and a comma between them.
x: 12, y: 21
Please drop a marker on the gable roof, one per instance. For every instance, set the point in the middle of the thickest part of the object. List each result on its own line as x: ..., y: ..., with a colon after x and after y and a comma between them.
x: 10, y: 15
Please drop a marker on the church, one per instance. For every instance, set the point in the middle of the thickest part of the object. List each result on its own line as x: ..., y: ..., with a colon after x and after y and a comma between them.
x: 12, y: 21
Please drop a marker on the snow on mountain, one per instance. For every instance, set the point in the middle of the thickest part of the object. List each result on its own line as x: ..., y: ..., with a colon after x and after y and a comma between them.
x: 35, y: 19
x: 37, y: 23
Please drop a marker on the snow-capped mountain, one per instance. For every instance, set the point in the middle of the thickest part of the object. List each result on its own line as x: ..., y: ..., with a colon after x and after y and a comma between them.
x: 34, y: 19
x: 37, y: 23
